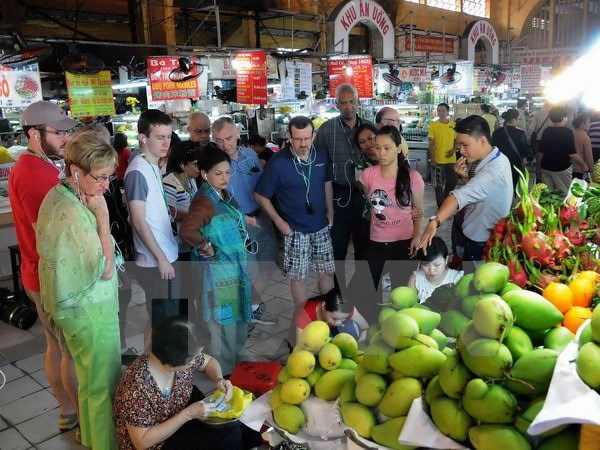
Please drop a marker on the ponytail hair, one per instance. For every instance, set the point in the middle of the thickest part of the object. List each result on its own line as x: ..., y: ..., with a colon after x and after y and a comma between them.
x: 403, y: 191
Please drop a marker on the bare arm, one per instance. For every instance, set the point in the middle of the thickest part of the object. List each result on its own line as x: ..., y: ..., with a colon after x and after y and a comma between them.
x: 267, y: 206
x: 446, y: 211
x: 137, y: 211
x: 213, y: 371
x: 588, y: 156
x: 363, y: 325
x: 575, y: 158
x: 329, y: 201
x: 412, y: 282
x: 417, y: 203
x: 432, y: 151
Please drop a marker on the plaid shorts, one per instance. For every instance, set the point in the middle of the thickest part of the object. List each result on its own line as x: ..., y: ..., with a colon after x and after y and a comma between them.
x: 300, y: 249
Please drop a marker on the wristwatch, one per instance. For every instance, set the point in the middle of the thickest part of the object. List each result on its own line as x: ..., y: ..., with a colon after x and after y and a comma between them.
x: 436, y: 219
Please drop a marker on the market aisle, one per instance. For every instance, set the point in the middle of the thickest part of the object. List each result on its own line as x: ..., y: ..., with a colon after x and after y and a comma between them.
x: 28, y: 412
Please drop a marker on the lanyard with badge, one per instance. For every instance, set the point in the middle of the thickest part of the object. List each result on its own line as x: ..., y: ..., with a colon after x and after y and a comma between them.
x: 358, y: 168
x: 497, y: 155
x: 299, y: 166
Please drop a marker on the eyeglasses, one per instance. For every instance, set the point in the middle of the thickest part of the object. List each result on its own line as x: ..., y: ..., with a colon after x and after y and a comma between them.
x: 102, y: 178
x: 387, y: 119
x: 59, y: 133
x: 201, y: 130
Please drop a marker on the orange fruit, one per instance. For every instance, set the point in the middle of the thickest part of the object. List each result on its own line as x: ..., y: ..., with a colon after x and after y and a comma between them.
x: 575, y: 316
x: 590, y: 275
x: 559, y: 295
x: 583, y: 291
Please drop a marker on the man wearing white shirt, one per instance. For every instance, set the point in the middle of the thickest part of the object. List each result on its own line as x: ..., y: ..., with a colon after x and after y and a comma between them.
x: 487, y: 196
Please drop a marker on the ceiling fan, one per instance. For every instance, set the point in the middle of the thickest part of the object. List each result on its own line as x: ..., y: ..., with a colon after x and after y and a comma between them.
x: 186, y: 70
x: 392, y: 76
x: 451, y: 76
x: 81, y: 63
x: 24, y: 53
x: 497, y: 77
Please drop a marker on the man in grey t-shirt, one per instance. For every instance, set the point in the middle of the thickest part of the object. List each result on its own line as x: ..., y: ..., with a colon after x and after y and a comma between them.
x: 155, y: 245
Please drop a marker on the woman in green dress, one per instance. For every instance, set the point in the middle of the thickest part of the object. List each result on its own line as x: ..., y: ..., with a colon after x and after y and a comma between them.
x: 78, y: 280
x: 216, y: 230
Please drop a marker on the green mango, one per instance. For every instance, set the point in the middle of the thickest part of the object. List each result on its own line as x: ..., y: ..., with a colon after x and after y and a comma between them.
x: 388, y: 432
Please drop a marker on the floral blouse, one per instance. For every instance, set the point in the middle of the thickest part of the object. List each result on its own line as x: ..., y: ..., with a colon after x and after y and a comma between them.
x: 140, y: 403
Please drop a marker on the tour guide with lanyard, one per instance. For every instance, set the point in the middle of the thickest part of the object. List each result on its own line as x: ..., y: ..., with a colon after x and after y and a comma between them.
x: 226, y: 291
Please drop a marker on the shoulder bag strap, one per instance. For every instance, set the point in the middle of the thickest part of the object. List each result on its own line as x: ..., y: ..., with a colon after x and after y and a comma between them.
x: 512, y: 144
x: 542, y: 125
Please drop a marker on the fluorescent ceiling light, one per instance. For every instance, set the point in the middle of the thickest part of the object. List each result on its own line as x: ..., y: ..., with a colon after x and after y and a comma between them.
x: 133, y: 84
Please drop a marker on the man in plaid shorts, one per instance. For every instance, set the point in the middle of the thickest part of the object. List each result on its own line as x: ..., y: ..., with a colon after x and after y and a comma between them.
x: 299, y: 177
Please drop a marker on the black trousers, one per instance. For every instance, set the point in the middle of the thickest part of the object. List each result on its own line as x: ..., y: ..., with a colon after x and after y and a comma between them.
x: 397, y: 256
x: 197, y: 435
x: 348, y: 206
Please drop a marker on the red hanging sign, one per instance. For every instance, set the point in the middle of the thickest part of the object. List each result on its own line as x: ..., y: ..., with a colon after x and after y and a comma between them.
x: 356, y: 70
x: 251, y: 77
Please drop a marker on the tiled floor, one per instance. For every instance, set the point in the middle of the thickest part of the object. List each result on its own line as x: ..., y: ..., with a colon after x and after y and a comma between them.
x: 28, y: 410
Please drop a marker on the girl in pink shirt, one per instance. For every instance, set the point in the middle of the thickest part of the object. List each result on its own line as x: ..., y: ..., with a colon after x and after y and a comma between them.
x: 394, y: 190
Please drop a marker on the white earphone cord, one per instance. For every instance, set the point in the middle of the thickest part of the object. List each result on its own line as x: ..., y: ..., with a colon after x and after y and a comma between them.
x: 337, y: 200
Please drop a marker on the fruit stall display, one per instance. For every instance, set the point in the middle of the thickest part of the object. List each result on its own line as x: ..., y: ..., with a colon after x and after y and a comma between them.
x: 544, y: 240
x: 482, y: 391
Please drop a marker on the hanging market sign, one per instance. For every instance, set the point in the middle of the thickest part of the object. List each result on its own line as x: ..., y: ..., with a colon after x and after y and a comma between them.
x: 297, y: 78
x: 484, y: 31
x: 516, y: 78
x: 356, y: 70
x: 531, y: 78
x: 20, y: 86
x: 90, y: 95
x: 415, y: 74
x: 159, y: 68
x: 429, y: 44
x: 553, y: 57
x: 251, y: 77
x: 370, y: 13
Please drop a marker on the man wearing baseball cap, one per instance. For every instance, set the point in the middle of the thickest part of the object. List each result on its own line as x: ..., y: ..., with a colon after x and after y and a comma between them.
x: 48, y: 131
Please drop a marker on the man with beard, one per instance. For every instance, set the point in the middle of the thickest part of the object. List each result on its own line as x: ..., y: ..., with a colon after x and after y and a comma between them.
x: 48, y: 131
x: 336, y: 136
x: 299, y: 177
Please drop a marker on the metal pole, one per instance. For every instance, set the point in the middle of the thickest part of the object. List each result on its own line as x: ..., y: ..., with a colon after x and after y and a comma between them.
x: 412, y: 38
x: 443, y: 19
x: 218, y: 21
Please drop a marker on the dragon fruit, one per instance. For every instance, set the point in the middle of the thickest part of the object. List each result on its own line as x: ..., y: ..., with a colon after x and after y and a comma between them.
x: 537, y: 246
x: 568, y: 214
x: 561, y: 245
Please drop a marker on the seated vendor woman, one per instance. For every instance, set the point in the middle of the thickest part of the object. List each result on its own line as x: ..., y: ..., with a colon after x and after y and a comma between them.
x: 329, y: 309
x: 157, y: 405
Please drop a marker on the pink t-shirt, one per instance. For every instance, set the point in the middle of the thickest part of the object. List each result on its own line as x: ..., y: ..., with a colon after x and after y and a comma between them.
x: 389, y: 221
